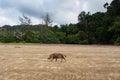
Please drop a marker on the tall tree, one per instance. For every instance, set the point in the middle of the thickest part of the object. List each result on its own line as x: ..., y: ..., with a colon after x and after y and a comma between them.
x: 106, y: 5
x: 83, y: 21
x: 47, y: 19
x: 25, y: 20
x: 114, y: 8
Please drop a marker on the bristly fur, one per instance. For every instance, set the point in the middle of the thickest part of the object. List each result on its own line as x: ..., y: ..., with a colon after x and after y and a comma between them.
x: 57, y: 56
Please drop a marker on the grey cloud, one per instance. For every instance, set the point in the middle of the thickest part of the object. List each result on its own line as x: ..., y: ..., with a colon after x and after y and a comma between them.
x: 57, y: 8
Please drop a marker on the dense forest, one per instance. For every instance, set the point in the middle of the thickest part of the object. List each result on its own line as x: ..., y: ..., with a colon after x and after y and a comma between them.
x: 97, y: 28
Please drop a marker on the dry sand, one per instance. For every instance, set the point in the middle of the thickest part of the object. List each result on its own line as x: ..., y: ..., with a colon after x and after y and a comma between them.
x: 84, y: 62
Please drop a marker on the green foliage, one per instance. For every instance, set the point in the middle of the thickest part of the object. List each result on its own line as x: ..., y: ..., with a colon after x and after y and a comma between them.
x: 98, y: 28
x: 7, y: 37
x: 83, y: 42
x: 82, y: 35
x: 114, y: 8
x: 49, y: 37
x: 32, y: 37
x: 115, y: 29
x: 116, y: 26
x: 28, y: 33
x: 72, y: 39
x: 102, y: 36
x: 61, y: 36
x: 117, y: 41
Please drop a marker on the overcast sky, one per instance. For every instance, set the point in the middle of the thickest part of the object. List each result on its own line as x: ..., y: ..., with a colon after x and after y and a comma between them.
x: 61, y: 11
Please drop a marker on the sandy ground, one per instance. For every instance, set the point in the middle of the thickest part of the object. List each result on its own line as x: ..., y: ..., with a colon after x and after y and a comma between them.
x: 84, y: 62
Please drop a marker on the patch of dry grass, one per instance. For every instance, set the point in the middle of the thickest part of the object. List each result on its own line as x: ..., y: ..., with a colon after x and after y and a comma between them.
x: 84, y: 62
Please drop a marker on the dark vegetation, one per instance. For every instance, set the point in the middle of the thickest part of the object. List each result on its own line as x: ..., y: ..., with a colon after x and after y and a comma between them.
x: 97, y: 28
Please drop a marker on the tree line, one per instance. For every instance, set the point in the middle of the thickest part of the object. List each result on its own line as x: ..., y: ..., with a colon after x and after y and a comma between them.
x: 97, y: 28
